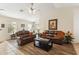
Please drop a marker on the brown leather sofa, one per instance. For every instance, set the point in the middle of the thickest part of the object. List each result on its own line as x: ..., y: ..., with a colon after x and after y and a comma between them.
x: 56, y: 36
x: 24, y: 37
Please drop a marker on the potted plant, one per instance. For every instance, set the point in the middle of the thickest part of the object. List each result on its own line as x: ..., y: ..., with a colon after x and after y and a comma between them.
x: 68, y: 37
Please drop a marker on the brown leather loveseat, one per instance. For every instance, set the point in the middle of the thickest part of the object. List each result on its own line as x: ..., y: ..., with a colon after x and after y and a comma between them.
x: 56, y: 36
x: 24, y: 37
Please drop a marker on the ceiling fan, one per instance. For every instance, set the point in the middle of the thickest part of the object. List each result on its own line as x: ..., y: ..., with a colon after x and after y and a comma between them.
x: 33, y: 10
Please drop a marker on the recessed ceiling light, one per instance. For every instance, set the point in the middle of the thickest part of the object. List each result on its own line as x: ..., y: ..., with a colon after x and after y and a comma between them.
x: 2, y: 9
x: 21, y: 10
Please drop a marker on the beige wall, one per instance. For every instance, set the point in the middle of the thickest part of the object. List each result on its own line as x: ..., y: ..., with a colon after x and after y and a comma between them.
x: 68, y: 20
x: 4, y: 31
x: 64, y: 16
x: 45, y: 15
x: 4, y: 35
x: 65, y: 19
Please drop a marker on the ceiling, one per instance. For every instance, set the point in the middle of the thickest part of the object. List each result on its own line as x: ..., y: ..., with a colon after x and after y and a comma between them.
x: 58, y: 5
x: 21, y: 10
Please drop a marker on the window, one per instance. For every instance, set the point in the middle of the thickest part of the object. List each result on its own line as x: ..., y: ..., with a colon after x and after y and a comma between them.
x: 30, y: 27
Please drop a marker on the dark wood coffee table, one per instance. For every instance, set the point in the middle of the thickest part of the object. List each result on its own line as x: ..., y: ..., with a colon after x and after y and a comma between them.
x: 45, y: 44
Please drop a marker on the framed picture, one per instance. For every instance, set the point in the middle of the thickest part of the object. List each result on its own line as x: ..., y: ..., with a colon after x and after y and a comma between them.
x: 53, y: 24
x: 2, y: 25
x: 22, y: 25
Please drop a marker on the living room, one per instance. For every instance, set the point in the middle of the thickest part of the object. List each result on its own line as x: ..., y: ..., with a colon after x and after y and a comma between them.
x: 35, y: 18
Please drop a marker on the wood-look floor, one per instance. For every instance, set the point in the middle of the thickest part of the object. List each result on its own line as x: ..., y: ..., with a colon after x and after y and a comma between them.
x: 30, y: 49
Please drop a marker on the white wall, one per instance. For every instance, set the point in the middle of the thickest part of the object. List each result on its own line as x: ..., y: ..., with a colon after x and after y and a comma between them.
x: 76, y: 24
x: 4, y: 35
